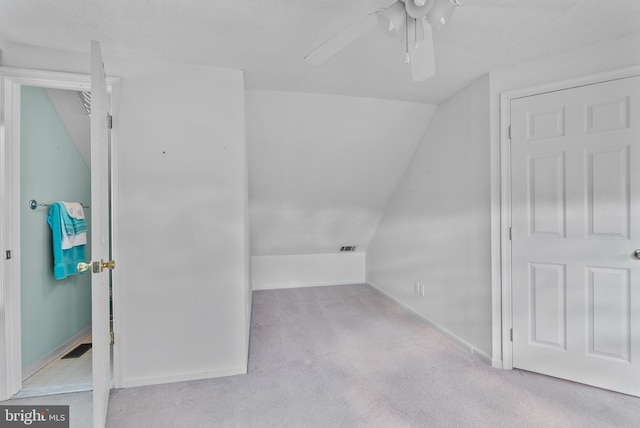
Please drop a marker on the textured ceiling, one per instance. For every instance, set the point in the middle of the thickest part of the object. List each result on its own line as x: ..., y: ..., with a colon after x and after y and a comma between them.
x: 268, y: 39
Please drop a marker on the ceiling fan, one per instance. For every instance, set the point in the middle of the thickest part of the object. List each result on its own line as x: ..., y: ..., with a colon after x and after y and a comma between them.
x: 416, y: 20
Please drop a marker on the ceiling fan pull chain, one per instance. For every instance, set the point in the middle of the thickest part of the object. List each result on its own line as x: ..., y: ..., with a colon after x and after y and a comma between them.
x: 406, y: 42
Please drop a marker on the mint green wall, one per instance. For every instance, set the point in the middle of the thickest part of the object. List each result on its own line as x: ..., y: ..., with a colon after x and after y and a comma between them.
x: 51, y: 169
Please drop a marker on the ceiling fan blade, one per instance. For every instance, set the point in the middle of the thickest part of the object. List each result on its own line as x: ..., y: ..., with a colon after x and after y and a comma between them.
x: 342, y: 39
x: 421, y: 51
x: 559, y: 6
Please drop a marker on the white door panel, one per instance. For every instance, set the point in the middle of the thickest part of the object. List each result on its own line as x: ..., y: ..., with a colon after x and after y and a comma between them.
x: 101, y: 337
x: 575, y: 168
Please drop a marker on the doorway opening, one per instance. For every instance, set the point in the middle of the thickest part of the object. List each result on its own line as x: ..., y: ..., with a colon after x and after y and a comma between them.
x: 55, y: 163
x: 46, y: 158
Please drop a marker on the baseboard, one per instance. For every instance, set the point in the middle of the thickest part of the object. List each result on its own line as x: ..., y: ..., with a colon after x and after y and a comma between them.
x: 52, y: 390
x: 453, y: 338
x: 231, y: 371
x: 309, y: 284
x: 58, y: 351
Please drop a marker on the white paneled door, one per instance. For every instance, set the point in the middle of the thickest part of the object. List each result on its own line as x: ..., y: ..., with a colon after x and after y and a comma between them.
x: 99, y: 238
x: 575, y: 171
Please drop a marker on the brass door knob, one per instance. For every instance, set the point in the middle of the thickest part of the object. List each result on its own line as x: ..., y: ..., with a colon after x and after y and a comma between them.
x: 96, y: 266
x: 84, y: 266
x: 111, y: 264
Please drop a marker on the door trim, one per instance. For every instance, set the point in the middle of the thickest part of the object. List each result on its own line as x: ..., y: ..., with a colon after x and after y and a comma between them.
x: 11, y: 79
x: 502, y: 330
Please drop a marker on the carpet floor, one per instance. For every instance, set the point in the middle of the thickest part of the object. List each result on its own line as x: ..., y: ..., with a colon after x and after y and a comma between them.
x: 346, y: 356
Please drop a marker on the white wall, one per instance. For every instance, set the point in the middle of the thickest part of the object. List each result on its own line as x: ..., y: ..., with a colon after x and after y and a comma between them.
x: 436, y: 231
x: 181, y: 206
x: 307, y: 270
x: 181, y: 210
x: 323, y: 167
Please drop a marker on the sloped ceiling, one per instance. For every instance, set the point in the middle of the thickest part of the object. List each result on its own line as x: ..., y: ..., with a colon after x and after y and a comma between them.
x: 75, y: 119
x: 322, y: 168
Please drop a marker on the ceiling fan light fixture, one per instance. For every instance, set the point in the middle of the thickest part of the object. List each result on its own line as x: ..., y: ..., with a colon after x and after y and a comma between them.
x: 415, y: 11
x: 441, y: 12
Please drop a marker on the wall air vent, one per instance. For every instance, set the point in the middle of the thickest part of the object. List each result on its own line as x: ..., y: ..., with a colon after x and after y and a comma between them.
x: 347, y: 248
x: 85, y: 99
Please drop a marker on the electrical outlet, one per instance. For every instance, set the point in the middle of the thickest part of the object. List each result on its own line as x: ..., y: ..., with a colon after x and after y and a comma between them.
x: 422, y: 290
x: 416, y: 288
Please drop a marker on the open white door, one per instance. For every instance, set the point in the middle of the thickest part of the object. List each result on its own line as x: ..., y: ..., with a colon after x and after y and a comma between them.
x: 100, y: 237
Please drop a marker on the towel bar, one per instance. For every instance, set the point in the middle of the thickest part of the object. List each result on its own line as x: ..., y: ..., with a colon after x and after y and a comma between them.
x: 33, y: 204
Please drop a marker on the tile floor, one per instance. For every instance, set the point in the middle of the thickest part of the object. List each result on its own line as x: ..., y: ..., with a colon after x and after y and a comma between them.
x: 59, y: 376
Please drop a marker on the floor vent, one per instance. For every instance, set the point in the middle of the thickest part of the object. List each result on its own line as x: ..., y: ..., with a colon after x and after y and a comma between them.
x: 347, y: 248
x: 78, y: 351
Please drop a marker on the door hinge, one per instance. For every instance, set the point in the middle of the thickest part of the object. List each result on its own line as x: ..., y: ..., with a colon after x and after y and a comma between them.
x: 509, y: 131
x: 510, y: 234
x: 511, y: 335
x: 7, y: 255
x: 113, y: 339
x: 109, y: 121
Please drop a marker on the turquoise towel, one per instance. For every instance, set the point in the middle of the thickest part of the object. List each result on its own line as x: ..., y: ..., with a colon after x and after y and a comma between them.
x: 65, y: 262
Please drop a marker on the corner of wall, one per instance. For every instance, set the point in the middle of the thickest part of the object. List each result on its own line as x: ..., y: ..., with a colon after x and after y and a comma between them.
x: 442, y: 204
x: 448, y: 334
x: 247, y: 281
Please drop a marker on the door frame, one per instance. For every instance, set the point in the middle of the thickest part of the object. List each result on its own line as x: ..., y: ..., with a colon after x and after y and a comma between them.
x: 11, y: 79
x: 504, y: 312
